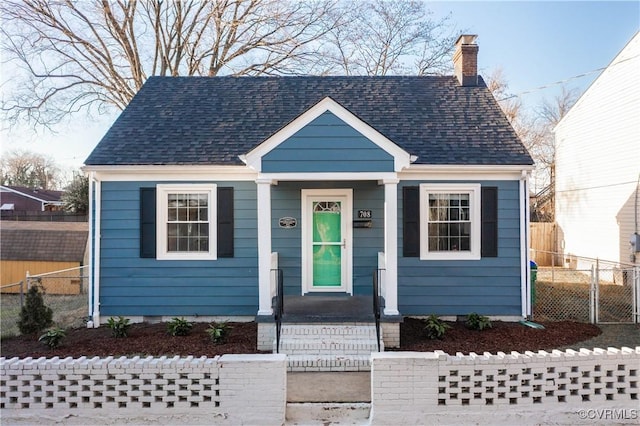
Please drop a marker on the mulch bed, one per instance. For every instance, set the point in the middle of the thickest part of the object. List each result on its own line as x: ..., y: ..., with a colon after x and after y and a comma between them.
x: 143, y: 339
x: 501, y: 337
x: 152, y: 339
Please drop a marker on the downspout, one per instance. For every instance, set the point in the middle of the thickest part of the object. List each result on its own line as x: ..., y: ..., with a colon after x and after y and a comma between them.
x: 525, y: 283
x: 96, y: 260
x: 91, y: 254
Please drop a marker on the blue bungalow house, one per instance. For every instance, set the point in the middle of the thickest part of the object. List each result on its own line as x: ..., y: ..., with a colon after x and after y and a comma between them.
x: 205, y: 187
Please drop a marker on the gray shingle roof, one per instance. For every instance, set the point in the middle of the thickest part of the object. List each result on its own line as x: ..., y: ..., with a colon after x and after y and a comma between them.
x: 212, y: 120
x: 46, y: 241
x: 40, y: 194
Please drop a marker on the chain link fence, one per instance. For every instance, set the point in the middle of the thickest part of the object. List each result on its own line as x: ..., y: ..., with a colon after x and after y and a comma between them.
x: 11, y: 301
x: 65, y: 292
x: 587, y: 290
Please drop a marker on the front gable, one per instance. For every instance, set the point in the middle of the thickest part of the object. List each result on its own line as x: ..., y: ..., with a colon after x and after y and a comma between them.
x: 327, y: 138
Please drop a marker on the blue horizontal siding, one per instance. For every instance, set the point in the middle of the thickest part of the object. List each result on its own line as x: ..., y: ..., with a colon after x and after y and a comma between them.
x: 131, y: 285
x: 327, y: 144
x: 367, y: 242
x: 163, y: 288
x: 134, y: 286
x: 489, y: 286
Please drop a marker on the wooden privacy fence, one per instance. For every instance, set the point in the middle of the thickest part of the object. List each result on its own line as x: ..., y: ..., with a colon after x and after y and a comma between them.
x: 544, y: 237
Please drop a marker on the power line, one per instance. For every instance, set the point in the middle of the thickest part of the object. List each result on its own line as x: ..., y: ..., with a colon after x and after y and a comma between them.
x: 596, y: 187
x: 555, y: 83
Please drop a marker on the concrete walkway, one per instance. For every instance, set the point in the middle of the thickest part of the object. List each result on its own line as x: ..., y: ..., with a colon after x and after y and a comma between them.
x: 328, y: 398
x: 329, y: 387
x: 613, y: 335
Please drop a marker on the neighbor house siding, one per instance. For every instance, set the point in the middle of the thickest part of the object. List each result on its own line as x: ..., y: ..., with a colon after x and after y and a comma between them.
x: 367, y: 242
x: 130, y: 285
x: 489, y: 286
x: 327, y: 144
x: 598, y: 164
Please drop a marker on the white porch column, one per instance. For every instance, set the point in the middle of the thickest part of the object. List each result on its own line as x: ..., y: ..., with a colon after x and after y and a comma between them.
x: 391, y: 246
x: 264, y: 247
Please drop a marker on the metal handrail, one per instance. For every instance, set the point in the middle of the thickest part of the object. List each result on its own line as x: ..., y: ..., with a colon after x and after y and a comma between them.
x: 376, y: 303
x: 278, y: 311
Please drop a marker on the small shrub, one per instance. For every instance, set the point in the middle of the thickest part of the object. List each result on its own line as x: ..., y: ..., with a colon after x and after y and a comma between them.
x: 218, y: 331
x: 119, y: 327
x: 435, y: 327
x: 477, y: 322
x: 34, y: 315
x: 179, y: 327
x: 53, y: 337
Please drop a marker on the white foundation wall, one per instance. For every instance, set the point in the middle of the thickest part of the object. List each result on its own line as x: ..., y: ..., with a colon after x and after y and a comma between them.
x: 230, y: 389
x: 567, y: 387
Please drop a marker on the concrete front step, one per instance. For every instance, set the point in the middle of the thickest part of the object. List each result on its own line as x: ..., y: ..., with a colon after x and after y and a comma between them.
x: 328, y: 347
x: 311, y: 414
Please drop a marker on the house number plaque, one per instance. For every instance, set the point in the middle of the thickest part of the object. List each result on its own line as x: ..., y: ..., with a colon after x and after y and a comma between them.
x: 288, y: 222
x: 364, y: 214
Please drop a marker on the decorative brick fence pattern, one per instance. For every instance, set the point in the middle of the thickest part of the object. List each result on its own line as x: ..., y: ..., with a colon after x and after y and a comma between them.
x: 230, y: 388
x: 411, y: 387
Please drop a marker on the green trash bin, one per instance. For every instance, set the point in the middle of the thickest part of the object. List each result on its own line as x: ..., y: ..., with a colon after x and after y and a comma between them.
x: 534, y: 276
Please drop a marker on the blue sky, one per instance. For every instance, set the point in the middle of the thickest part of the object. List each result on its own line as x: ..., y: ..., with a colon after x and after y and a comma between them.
x: 535, y: 43
x: 542, y: 42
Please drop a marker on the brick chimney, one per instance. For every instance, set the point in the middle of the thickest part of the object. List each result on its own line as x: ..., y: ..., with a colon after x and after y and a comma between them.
x: 465, y: 60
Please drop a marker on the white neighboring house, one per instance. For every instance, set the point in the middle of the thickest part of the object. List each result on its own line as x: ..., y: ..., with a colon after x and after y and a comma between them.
x: 598, y: 165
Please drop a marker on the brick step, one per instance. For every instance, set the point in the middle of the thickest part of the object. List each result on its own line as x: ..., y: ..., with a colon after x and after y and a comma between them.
x: 345, y: 346
x: 329, y: 362
x: 323, y: 330
x: 328, y: 347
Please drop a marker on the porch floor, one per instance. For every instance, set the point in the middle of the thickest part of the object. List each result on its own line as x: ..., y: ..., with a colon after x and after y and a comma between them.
x: 327, y: 309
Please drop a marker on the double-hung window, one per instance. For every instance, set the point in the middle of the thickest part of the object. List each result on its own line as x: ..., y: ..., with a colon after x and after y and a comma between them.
x: 186, y: 222
x: 450, y: 221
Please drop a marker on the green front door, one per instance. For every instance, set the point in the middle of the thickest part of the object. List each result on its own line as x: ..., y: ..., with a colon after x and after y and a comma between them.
x: 326, y: 240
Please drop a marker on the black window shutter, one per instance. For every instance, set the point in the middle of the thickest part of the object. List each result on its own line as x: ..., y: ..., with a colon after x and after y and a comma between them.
x: 489, y: 221
x: 148, y: 222
x: 411, y: 221
x: 225, y: 222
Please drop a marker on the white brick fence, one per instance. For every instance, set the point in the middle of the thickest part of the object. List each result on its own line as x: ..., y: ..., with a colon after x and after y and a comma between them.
x: 531, y: 388
x: 585, y: 387
x: 230, y: 389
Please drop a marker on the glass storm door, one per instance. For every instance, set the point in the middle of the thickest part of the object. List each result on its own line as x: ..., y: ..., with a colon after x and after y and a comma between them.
x: 327, y: 241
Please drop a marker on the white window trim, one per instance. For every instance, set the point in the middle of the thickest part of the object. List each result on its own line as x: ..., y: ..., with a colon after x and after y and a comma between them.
x: 162, y: 191
x: 474, y: 202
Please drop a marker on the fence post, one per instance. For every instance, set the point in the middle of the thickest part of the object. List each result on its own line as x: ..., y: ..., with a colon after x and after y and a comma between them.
x: 28, y: 279
x: 636, y: 294
x: 592, y: 297
x: 21, y: 294
x: 553, y: 267
x: 597, y: 307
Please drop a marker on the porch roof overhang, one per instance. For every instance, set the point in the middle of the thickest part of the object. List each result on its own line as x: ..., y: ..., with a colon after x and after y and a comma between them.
x: 401, y: 158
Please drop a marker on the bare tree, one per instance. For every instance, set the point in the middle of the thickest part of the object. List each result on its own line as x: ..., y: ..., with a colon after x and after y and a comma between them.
x: 535, y: 129
x: 96, y: 54
x: 24, y: 168
x: 499, y: 86
x: 553, y: 111
x: 379, y: 37
x: 91, y: 55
